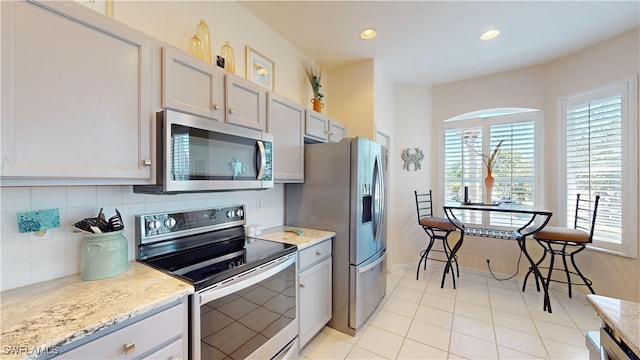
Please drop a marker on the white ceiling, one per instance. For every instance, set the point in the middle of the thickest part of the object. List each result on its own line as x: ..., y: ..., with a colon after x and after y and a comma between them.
x: 433, y: 42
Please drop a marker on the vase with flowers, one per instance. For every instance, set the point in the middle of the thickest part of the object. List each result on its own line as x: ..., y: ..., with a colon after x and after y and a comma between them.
x: 489, y: 161
x: 489, y: 181
x: 314, y: 71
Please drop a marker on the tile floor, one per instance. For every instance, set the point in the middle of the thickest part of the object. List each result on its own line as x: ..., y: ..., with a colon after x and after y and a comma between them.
x: 483, y: 319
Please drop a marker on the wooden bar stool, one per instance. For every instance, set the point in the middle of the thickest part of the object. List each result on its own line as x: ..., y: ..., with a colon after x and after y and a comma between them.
x: 437, y: 228
x: 567, y: 242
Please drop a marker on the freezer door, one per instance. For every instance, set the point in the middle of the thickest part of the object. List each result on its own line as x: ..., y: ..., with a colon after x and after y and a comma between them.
x: 368, y: 287
x: 367, y: 200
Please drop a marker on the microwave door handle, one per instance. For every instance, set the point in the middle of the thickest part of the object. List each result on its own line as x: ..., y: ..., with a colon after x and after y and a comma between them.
x: 262, y: 161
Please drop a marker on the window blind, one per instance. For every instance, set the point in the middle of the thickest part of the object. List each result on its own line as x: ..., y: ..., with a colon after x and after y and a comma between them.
x: 463, y: 167
x: 594, y: 161
x: 514, y: 171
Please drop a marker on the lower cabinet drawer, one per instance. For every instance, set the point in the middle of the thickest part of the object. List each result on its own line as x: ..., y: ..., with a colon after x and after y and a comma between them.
x: 172, y: 351
x: 136, y: 339
x: 314, y: 254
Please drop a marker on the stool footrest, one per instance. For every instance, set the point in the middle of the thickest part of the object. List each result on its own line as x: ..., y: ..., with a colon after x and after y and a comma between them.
x: 588, y: 283
x: 455, y: 258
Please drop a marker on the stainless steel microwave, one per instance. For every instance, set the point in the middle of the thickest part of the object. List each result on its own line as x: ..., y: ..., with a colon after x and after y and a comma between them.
x: 196, y: 154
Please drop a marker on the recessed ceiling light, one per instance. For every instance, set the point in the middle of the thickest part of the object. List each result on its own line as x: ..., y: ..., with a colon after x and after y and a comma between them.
x: 368, y: 34
x: 490, y: 34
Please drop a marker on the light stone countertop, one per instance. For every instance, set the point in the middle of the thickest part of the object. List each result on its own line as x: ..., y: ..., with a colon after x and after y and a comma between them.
x: 54, y: 313
x: 308, y: 237
x: 622, y: 316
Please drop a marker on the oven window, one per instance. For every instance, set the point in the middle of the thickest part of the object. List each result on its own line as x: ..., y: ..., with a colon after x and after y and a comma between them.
x: 198, y: 154
x: 234, y: 326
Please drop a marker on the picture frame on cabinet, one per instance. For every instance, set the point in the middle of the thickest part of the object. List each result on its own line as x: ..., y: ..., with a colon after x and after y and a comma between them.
x: 259, y: 68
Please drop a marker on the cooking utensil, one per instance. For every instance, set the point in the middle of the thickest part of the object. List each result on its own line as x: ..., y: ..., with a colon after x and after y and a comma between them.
x: 115, y: 222
x: 99, y: 224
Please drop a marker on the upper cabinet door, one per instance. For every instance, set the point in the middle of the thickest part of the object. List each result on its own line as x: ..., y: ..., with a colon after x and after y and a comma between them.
x: 337, y: 131
x: 285, y: 120
x: 321, y: 128
x: 191, y: 85
x: 76, y: 101
x: 246, y: 103
x: 316, y: 126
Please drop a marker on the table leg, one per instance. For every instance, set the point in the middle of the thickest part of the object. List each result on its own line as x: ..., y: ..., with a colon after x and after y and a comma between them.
x: 536, y: 272
x: 450, y: 258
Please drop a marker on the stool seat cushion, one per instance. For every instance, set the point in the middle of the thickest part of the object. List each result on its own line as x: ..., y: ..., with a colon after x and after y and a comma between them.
x: 557, y: 233
x: 437, y: 223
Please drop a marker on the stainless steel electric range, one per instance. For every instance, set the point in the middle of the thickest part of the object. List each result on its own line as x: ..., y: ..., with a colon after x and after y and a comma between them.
x: 244, y: 305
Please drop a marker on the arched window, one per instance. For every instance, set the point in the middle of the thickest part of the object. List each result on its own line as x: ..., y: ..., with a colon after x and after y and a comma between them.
x: 470, y: 138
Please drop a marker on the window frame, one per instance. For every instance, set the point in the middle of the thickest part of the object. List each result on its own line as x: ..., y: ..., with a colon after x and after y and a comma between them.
x: 478, y: 119
x: 630, y: 135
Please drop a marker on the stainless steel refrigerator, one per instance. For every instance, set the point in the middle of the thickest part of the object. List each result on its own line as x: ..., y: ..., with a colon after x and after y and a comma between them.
x: 344, y: 192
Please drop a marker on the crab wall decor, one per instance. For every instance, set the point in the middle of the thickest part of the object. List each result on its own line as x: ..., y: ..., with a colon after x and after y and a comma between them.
x: 410, y: 158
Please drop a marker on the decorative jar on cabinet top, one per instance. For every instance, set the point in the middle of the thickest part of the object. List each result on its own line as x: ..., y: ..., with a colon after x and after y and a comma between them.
x: 229, y: 57
x: 202, y: 31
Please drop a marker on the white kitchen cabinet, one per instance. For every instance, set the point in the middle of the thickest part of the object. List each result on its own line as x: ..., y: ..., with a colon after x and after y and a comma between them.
x: 337, y: 131
x: 246, y: 103
x: 191, y: 85
x: 315, y: 281
x: 76, y: 97
x: 162, y: 335
x: 285, y: 121
x: 321, y: 128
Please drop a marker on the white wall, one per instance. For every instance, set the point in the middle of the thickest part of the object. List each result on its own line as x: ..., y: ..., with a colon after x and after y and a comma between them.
x: 413, y: 127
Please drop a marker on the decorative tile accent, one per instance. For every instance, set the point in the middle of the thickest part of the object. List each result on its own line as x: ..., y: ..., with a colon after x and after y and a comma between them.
x: 40, y: 220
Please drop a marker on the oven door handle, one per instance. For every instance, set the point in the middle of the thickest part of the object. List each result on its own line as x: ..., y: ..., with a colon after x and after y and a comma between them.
x: 246, y: 279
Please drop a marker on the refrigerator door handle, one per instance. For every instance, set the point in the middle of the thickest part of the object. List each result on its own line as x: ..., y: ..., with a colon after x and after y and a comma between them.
x: 379, y: 194
x: 366, y: 268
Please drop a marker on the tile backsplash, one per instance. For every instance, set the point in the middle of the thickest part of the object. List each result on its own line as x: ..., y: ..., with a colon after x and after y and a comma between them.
x: 26, y: 258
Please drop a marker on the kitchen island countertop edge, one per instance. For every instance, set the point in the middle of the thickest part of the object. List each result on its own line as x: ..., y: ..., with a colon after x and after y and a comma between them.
x: 622, y: 316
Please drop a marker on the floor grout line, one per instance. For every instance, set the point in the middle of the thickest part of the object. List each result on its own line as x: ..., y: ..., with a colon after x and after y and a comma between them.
x: 400, y: 281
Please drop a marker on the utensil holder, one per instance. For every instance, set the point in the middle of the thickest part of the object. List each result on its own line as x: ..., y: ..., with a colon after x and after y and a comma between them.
x: 104, y: 255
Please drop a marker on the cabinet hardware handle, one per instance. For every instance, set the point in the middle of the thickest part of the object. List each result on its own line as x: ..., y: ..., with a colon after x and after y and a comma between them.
x: 146, y: 162
x: 215, y: 107
x: 231, y: 111
x: 301, y: 285
x: 129, y: 348
x: 318, y: 253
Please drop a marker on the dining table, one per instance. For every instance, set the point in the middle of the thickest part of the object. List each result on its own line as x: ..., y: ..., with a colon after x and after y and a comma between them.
x: 533, y: 219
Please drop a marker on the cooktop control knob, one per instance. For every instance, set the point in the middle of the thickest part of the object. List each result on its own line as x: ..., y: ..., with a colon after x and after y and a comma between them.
x: 230, y: 214
x: 154, y: 224
x: 170, y: 222
x: 239, y: 213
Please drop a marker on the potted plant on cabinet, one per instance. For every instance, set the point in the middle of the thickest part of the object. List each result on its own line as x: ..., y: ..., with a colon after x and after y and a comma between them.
x: 314, y: 71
